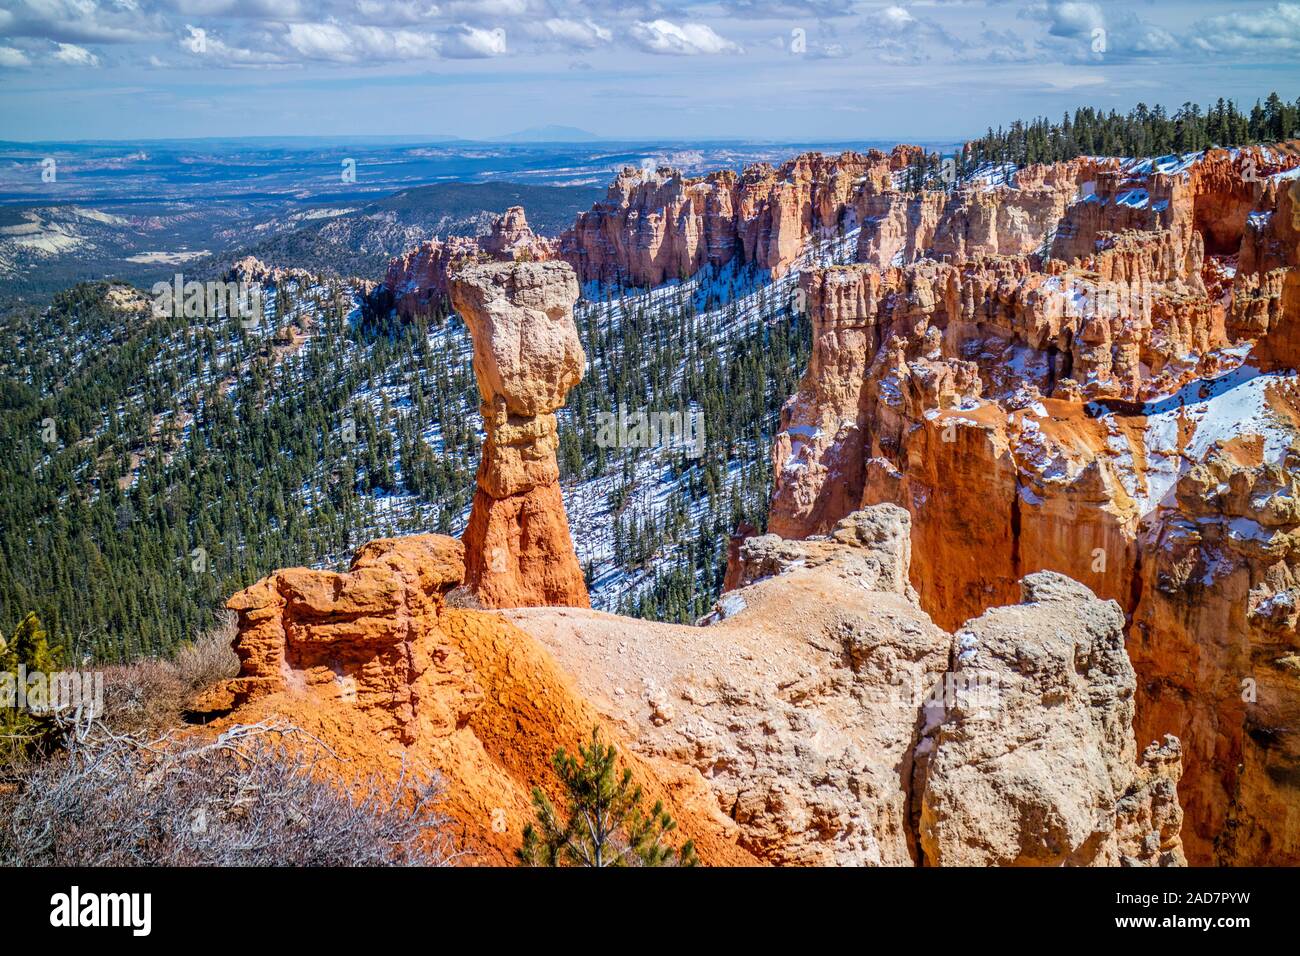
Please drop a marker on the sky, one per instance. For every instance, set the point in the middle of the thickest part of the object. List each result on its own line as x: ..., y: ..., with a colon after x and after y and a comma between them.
x: 780, y: 70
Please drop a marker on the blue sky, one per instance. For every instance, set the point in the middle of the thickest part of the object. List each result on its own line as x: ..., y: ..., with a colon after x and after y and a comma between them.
x: 755, y: 69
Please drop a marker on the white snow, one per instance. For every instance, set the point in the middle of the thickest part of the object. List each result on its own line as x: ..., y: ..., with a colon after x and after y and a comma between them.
x: 1228, y: 407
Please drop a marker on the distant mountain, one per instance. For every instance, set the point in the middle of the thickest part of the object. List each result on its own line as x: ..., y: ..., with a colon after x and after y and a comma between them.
x: 550, y: 134
x: 360, y: 241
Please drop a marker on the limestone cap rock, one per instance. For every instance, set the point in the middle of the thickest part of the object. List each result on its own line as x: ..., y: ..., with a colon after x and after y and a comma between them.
x: 526, y: 349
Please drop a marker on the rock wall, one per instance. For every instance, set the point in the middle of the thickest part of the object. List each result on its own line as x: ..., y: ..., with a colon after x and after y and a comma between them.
x: 978, y: 218
x: 1033, y: 413
x: 526, y: 358
x: 1214, y: 638
x: 1032, y: 760
x: 661, y: 225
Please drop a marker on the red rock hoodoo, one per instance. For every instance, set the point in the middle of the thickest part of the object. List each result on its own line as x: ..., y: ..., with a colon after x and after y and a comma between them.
x: 526, y: 358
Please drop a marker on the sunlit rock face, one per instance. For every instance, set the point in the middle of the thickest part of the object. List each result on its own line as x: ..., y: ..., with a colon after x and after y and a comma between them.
x: 1089, y: 369
x: 420, y: 278
x: 836, y: 724
x: 657, y: 225
x: 527, y: 356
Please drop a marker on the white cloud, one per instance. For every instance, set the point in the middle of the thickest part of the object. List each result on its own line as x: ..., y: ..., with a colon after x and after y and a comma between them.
x: 894, y: 35
x: 81, y: 21
x: 1074, y: 19
x: 584, y: 34
x: 354, y: 43
x: 468, y: 43
x: 896, y: 18
x: 320, y: 41
x: 393, y: 13
x: 688, y: 39
x: 476, y: 11
x: 1274, y: 30
x: 11, y: 58
x: 828, y: 51
x: 74, y: 55
x: 1084, y: 32
x: 218, y: 52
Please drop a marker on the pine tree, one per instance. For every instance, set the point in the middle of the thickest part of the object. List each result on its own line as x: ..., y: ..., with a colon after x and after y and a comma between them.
x: 29, y: 647
x: 603, y: 824
x: 28, y: 651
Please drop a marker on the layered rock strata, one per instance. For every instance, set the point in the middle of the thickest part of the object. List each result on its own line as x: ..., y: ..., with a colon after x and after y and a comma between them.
x: 659, y: 225
x: 526, y: 358
x: 1052, y: 411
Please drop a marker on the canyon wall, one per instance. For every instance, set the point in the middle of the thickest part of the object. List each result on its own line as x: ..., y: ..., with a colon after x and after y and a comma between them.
x: 1085, y: 368
x: 1087, y: 408
x: 661, y: 225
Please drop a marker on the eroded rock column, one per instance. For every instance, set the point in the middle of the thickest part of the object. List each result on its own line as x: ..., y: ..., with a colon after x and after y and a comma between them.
x: 518, y: 552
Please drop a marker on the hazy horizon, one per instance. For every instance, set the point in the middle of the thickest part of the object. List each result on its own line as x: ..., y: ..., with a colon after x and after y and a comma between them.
x: 749, y: 70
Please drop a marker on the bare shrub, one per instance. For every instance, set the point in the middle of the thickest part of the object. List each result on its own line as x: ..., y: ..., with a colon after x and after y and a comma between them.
x: 211, y: 658
x: 149, y: 696
x: 245, y: 799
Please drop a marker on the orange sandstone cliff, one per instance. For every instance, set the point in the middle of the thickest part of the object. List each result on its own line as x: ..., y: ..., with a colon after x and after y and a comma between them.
x: 1098, y: 380
x: 823, y: 719
x: 379, y: 671
x: 660, y: 225
x: 657, y: 225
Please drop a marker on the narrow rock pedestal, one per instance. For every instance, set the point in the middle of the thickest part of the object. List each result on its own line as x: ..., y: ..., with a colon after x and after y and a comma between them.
x: 518, y: 551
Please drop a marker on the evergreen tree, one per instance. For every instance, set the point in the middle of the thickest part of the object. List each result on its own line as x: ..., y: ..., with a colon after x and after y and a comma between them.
x: 602, y: 823
x: 29, y: 646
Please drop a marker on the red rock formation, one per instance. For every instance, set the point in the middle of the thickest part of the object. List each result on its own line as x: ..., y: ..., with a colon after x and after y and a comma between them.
x: 355, y: 636
x: 385, y: 680
x: 418, y: 279
x: 821, y: 722
x: 1266, y: 296
x: 1220, y: 591
x: 974, y: 220
x: 652, y: 227
x: 526, y: 358
x: 960, y: 391
x: 836, y: 725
